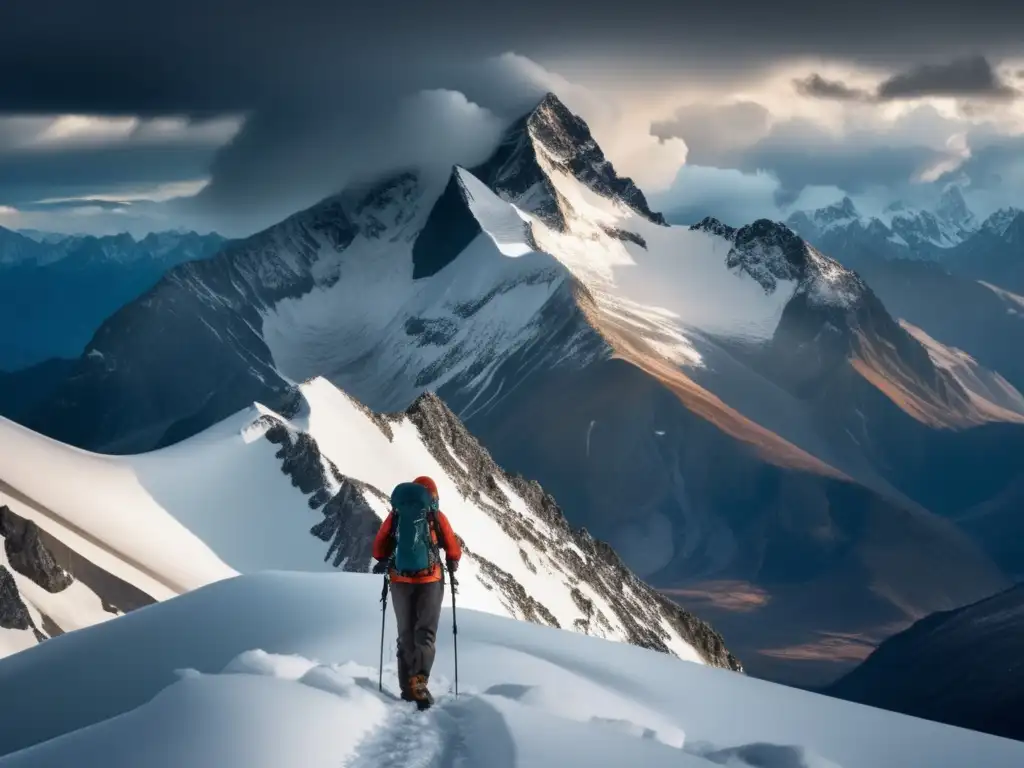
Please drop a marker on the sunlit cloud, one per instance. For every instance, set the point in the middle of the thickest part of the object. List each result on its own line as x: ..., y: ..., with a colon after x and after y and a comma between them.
x: 157, y: 194
x: 56, y: 132
x: 959, y: 153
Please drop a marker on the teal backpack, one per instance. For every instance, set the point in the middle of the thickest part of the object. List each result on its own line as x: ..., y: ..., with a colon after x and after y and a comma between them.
x: 415, y: 551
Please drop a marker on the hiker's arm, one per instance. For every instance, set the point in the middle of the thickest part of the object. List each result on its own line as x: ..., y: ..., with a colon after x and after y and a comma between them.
x: 450, y: 542
x: 382, y: 542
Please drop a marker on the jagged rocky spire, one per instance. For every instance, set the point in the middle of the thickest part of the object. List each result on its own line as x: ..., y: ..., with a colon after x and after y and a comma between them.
x: 515, y: 171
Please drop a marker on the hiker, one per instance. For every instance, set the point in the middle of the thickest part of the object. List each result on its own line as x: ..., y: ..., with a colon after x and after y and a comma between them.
x: 413, y: 563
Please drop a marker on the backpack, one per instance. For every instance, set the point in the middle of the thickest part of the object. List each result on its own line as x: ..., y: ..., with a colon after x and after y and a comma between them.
x: 415, y: 550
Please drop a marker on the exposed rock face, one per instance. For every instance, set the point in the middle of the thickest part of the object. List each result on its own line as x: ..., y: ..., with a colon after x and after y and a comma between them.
x: 551, y: 134
x: 54, y: 566
x: 28, y: 555
x: 516, y: 599
x: 349, y: 522
x: 638, y: 607
x: 128, y: 394
x: 13, y: 613
x: 450, y: 227
x: 713, y: 226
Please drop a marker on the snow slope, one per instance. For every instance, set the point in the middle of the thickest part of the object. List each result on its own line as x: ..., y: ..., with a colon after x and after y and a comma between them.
x: 385, y: 334
x: 307, y: 491
x: 279, y: 669
x: 102, y: 508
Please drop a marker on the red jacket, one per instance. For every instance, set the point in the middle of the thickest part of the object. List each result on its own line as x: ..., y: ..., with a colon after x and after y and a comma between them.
x: 383, y: 544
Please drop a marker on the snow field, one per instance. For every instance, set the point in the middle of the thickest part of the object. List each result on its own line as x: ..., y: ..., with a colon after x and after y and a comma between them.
x: 102, y: 507
x: 279, y: 669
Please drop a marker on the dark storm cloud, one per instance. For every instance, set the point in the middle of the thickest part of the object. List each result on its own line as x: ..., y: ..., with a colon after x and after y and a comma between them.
x: 970, y: 77
x: 320, y: 80
x: 818, y: 87
x: 227, y: 55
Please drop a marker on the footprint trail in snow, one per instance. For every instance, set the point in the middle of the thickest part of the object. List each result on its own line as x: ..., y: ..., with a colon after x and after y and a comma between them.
x: 409, y: 738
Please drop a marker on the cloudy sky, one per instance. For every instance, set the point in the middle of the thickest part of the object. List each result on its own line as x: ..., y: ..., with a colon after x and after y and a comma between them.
x: 231, y: 114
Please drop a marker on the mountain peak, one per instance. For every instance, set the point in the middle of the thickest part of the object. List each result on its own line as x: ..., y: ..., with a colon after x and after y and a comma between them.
x: 953, y: 208
x: 558, y: 129
x: 817, y: 221
x: 846, y: 207
x: 1000, y: 221
x: 713, y: 226
x: 550, y: 100
x: 771, y: 252
x: 552, y: 138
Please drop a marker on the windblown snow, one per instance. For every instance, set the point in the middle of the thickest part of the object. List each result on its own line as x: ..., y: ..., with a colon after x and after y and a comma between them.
x: 280, y: 669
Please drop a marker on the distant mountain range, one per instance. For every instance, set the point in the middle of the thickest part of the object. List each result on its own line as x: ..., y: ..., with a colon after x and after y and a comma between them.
x: 959, y: 279
x: 951, y: 236
x: 739, y: 415
x: 55, y: 290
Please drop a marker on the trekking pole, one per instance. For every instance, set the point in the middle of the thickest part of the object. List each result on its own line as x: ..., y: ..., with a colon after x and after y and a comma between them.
x: 455, y: 633
x: 383, y: 619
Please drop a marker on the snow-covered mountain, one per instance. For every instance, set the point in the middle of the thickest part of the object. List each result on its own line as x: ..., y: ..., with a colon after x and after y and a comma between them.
x: 280, y: 669
x: 304, y: 488
x: 898, y: 232
x: 41, y: 236
x: 692, y: 396
x: 999, y: 223
x: 995, y: 255
x: 57, y: 292
x: 950, y: 235
x: 16, y: 248
x: 962, y: 295
x: 960, y: 667
x: 25, y: 248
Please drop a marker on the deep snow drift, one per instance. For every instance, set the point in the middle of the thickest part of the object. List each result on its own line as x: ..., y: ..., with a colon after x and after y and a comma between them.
x: 279, y: 669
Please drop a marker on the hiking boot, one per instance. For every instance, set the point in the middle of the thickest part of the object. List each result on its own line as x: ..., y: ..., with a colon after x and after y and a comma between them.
x: 420, y: 692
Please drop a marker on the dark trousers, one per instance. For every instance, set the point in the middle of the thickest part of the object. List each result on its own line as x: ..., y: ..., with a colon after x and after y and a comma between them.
x: 417, y: 612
